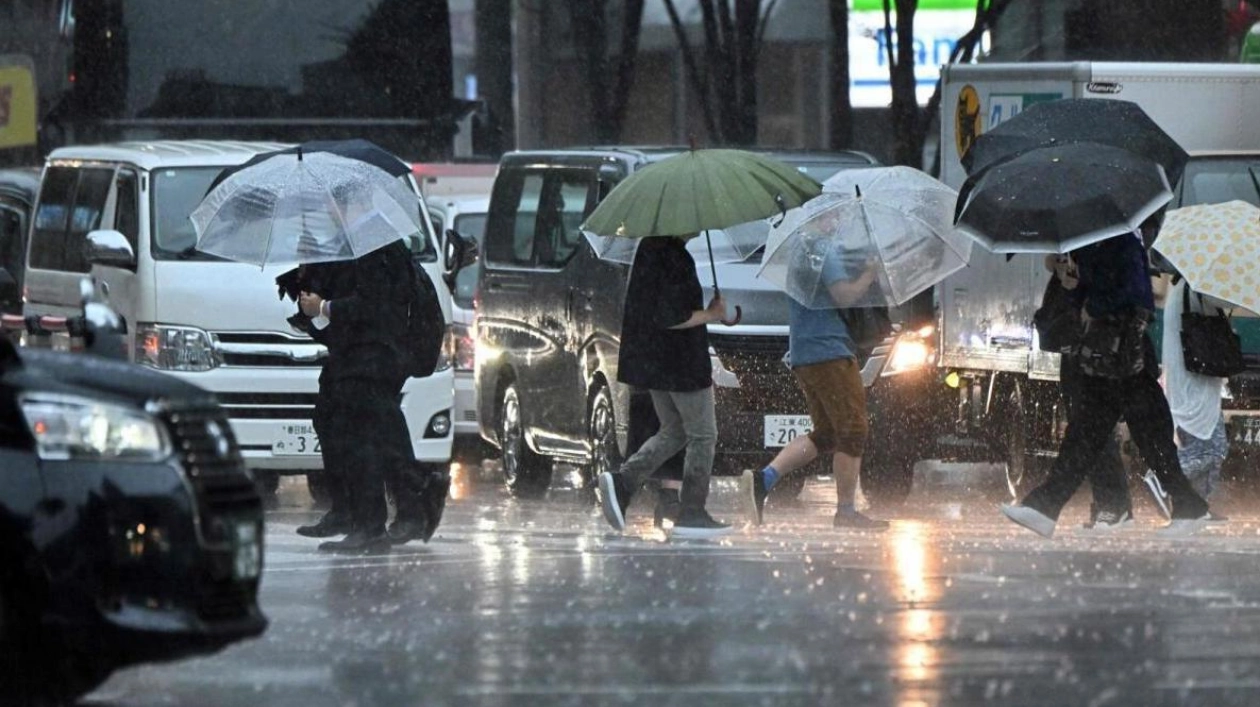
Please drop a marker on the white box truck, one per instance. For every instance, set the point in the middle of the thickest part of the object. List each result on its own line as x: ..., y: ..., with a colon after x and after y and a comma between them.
x: 993, y: 394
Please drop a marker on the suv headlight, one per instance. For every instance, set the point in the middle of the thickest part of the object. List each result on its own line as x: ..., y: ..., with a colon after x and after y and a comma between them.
x: 912, y: 351
x: 78, y: 428
x: 175, y: 348
x: 722, y: 377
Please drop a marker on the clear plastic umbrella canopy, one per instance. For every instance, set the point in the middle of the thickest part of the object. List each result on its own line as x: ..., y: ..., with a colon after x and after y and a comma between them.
x: 895, y: 222
x: 305, y: 208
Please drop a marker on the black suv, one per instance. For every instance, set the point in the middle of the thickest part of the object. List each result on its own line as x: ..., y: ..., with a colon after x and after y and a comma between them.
x: 549, y: 320
x: 129, y: 528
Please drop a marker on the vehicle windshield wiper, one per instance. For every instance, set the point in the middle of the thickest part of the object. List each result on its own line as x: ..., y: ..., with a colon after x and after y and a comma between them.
x: 1255, y: 180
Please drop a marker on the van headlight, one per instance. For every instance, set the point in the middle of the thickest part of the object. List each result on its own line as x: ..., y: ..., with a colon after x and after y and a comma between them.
x: 722, y: 377
x: 175, y: 348
x: 78, y: 428
x: 913, y: 351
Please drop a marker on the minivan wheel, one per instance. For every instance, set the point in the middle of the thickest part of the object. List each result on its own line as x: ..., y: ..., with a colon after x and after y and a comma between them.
x: 601, y: 437
x: 526, y: 473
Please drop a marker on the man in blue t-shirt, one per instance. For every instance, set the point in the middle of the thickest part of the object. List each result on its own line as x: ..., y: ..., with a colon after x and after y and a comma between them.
x: 824, y: 360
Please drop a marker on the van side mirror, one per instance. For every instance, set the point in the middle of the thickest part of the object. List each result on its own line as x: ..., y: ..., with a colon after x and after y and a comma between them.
x: 458, y: 252
x: 111, y: 249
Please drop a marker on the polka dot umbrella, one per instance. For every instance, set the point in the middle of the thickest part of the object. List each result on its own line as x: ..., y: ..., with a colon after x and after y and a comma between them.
x: 1216, y: 248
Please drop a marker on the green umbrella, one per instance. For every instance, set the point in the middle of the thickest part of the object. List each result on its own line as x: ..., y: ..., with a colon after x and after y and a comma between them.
x: 698, y: 190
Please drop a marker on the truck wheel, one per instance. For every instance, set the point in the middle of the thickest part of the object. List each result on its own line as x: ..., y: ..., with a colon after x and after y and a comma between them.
x: 1024, y: 471
x: 526, y: 473
x: 601, y: 437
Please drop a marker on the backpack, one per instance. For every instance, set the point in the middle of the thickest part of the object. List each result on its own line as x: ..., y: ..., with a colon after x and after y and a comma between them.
x: 426, y: 326
x: 868, y: 327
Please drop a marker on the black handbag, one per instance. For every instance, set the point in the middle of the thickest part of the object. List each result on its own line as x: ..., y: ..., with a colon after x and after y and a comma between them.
x: 1209, y: 342
x: 1058, y: 319
x: 1114, y: 346
x: 868, y: 327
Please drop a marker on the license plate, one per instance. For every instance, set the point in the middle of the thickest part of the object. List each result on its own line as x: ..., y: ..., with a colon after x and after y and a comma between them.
x: 295, y: 440
x: 247, y: 563
x: 1246, y: 430
x: 781, y: 429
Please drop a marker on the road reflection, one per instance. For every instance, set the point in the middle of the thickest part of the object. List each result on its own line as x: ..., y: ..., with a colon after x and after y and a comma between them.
x: 918, y: 629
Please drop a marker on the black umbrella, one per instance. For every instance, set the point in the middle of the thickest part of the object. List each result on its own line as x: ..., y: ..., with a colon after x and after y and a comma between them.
x: 1057, y: 199
x: 1121, y: 124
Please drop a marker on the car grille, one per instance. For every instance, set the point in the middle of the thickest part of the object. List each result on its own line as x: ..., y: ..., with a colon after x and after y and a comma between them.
x: 213, y: 465
x: 765, y: 383
x: 267, y: 350
x: 268, y: 406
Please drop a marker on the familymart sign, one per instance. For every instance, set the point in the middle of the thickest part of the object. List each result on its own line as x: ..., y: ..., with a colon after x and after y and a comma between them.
x: 937, y: 26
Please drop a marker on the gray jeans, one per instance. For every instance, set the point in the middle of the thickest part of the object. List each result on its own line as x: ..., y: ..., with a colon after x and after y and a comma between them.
x: 687, y: 421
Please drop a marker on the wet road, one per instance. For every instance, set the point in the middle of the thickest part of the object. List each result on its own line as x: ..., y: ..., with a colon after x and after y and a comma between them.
x: 539, y: 603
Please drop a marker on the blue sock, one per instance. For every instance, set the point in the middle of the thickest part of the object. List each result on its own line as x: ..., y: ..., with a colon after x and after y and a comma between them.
x: 770, y: 476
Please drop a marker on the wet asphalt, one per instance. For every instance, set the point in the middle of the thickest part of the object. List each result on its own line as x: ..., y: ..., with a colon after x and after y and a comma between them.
x: 540, y: 603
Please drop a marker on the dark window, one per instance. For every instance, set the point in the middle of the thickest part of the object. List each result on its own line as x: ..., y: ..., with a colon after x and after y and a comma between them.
x: 89, y: 204
x: 11, y: 241
x: 51, y: 216
x: 563, y: 209
x: 513, y: 218
x: 127, y: 208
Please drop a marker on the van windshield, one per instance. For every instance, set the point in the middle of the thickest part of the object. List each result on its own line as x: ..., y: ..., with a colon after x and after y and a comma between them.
x: 176, y: 193
x: 1214, y: 180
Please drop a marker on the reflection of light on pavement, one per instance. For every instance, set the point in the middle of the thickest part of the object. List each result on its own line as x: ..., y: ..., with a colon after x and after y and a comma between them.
x: 461, y: 481
x: 917, y: 629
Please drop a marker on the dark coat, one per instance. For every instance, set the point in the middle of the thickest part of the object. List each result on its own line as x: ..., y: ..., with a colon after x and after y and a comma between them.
x: 367, y: 301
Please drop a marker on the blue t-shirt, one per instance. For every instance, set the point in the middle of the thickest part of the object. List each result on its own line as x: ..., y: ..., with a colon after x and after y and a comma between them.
x: 818, y: 335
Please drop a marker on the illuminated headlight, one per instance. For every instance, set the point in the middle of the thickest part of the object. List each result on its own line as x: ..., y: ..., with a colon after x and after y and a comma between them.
x: 722, y: 378
x: 463, y: 347
x: 77, y: 428
x: 175, y: 348
x: 912, y: 351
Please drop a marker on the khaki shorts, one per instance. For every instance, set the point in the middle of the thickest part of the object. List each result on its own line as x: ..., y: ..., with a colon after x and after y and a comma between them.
x: 837, y: 405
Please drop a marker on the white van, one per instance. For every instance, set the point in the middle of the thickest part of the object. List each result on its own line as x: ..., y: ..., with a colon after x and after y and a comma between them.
x: 119, y: 213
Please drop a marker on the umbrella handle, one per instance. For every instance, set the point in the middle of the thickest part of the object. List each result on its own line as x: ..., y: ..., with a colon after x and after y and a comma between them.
x: 739, y: 314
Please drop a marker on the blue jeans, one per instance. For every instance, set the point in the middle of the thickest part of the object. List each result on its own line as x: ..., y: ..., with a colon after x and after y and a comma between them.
x: 1201, y: 459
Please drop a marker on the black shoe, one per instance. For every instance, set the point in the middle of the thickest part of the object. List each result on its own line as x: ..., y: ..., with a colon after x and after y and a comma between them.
x: 614, y: 499
x: 667, y: 507
x: 753, y: 491
x: 331, y: 525
x: 853, y: 519
x: 404, y: 531
x: 359, y: 542
x: 698, y: 525
x: 433, y: 503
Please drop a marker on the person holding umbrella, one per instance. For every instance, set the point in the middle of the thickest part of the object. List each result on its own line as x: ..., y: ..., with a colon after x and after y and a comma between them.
x: 1114, y: 287
x: 823, y: 357
x: 665, y: 349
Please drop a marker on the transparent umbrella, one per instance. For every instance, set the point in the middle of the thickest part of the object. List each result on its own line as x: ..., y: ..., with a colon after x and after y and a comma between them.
x: 884, y: 234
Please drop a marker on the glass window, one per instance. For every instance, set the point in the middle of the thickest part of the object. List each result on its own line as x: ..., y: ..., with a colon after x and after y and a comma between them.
x: 472, y: 226
x: 49, y: 236
x: 510, y: 227
x: 89, y: 204
x: 558, y: 222
x: 176, y: 192
x: 127, y: 208
x: 1214, y: 181
x: 11, y: 241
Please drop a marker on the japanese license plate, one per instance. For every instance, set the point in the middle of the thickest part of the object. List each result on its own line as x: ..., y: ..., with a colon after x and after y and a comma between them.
x: 1245, y: 430
x: 247, y: 563
x: 295, y: 440
x: 781, y: 429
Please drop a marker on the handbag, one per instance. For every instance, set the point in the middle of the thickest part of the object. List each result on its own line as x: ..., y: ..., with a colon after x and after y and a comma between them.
x: 1113, y: 346
x: 1209, y: 342
x: 868, y: 327
x: 1058, y: 319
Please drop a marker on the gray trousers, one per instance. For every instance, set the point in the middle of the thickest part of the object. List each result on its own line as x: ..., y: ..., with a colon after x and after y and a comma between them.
x: 688, y: 422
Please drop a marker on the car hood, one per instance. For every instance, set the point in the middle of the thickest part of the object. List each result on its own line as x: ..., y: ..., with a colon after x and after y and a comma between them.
x: 92, y: 376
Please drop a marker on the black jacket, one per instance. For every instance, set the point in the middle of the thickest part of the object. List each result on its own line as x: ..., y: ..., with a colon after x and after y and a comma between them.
x: 662, y: 293
x: 367, y: 301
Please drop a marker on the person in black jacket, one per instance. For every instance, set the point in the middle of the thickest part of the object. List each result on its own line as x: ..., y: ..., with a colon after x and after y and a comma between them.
x: 362, y: 307
x: 1115, y: 283
x: 665, y: 349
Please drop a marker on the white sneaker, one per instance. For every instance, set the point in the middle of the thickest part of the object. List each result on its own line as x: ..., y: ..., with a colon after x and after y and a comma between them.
x: 1031, y: 518
x: 1157, y: 490
x: 1109, y: 520
x: 609, y: 503
x: 1185, y: 526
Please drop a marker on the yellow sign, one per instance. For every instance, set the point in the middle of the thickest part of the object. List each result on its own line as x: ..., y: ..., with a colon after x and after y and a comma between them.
x: 17, y: 102
x: 967, y: 119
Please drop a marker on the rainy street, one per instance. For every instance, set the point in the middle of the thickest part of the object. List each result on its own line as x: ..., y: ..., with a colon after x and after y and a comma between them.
x: 540, y: 603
